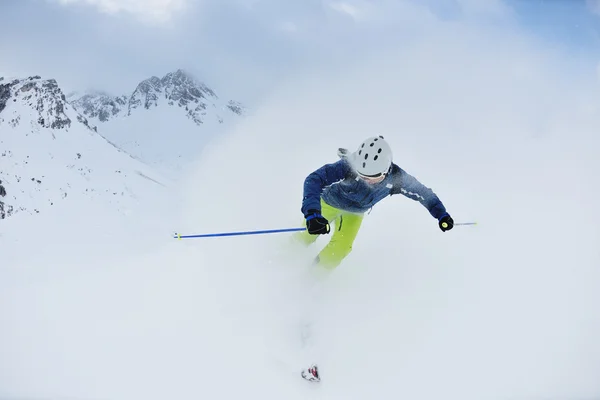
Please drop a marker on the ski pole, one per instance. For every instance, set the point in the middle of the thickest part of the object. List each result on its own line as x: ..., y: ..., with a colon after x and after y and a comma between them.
x: 180, y: 236
x: 445, y: 224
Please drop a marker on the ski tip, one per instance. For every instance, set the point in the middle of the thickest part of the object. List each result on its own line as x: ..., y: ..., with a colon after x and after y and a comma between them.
x: 311, y: 374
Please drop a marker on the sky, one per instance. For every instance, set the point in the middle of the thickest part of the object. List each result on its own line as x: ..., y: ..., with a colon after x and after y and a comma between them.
x: 245, y: 48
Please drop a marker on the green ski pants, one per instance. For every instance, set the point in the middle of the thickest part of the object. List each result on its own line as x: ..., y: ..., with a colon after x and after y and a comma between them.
x: 344, y: 226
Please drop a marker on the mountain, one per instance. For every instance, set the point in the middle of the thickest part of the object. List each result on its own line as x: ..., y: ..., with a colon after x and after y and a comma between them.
x: 50, y: 153
x: 175, y: 89
x: 98, y: 105
x: 164, y: 121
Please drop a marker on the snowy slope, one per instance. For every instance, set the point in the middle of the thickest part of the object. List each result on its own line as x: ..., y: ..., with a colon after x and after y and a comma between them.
x: 51, y: 153
x: 165, y: 121
x: 504, y: 310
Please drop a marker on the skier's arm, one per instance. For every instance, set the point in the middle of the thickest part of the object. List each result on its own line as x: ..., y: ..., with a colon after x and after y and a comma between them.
x: 410, y: 187
x: 316, y: 181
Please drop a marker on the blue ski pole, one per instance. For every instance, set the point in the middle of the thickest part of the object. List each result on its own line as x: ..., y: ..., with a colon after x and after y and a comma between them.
x: 180, y: 236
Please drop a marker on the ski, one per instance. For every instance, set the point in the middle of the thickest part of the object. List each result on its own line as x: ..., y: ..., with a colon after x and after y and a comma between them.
x: 311, y: 373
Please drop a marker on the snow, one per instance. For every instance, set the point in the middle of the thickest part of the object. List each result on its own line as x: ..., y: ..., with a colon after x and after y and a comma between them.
x: 165, y: 139
x: 42, y: 167
x: 97, y: 304
x: 164, y: 122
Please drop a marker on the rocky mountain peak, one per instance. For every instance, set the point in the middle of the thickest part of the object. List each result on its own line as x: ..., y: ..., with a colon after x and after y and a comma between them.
x: 99, y: 105
x: 48, y: 151
x: 178, y: 88
x: 43, y: 96
x: 179, y: 78
x: 146, y: 94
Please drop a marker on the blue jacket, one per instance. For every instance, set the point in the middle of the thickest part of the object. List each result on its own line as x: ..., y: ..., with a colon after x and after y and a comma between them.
x: 340, y: 187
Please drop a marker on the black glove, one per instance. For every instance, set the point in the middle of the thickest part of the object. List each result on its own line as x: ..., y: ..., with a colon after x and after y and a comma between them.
x: 446, y: 223
x: 315, y: 223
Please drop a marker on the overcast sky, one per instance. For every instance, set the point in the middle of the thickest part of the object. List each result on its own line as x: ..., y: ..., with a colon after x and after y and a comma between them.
x: 243, y: 48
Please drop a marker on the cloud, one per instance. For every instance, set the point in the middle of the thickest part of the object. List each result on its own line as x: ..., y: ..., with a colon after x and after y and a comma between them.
x: 493, y: 120
x: 413, y: 14
x: 484, y: 7
x: 287, y: 26
x: 594, y: 6
x: 155, y: 11
x: 381, y: 11
x: 346, y: 8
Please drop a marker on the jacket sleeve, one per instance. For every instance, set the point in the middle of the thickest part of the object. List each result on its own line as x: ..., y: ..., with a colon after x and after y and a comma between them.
x: 410, y: 187
x: 316, y: 181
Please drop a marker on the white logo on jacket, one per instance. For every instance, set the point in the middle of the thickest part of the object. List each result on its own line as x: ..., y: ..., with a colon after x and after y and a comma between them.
x: 412, y: 194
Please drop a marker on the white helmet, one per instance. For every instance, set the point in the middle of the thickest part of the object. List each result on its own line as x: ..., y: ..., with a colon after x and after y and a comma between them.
x: 373, y: 158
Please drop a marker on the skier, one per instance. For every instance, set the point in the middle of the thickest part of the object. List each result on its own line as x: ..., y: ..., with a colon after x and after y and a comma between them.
x: 343, y: 191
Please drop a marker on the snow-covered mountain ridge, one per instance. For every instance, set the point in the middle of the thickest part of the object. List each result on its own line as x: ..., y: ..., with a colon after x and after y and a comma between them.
x: 165, y: 122
x: 53, y: 146
x: 49, y: 152
x: 43, y: 96
x: 177, y: 88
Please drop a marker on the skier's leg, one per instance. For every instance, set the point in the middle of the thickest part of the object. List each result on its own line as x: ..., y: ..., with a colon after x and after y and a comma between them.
x: 327, y: 211
x: 347, y: 226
